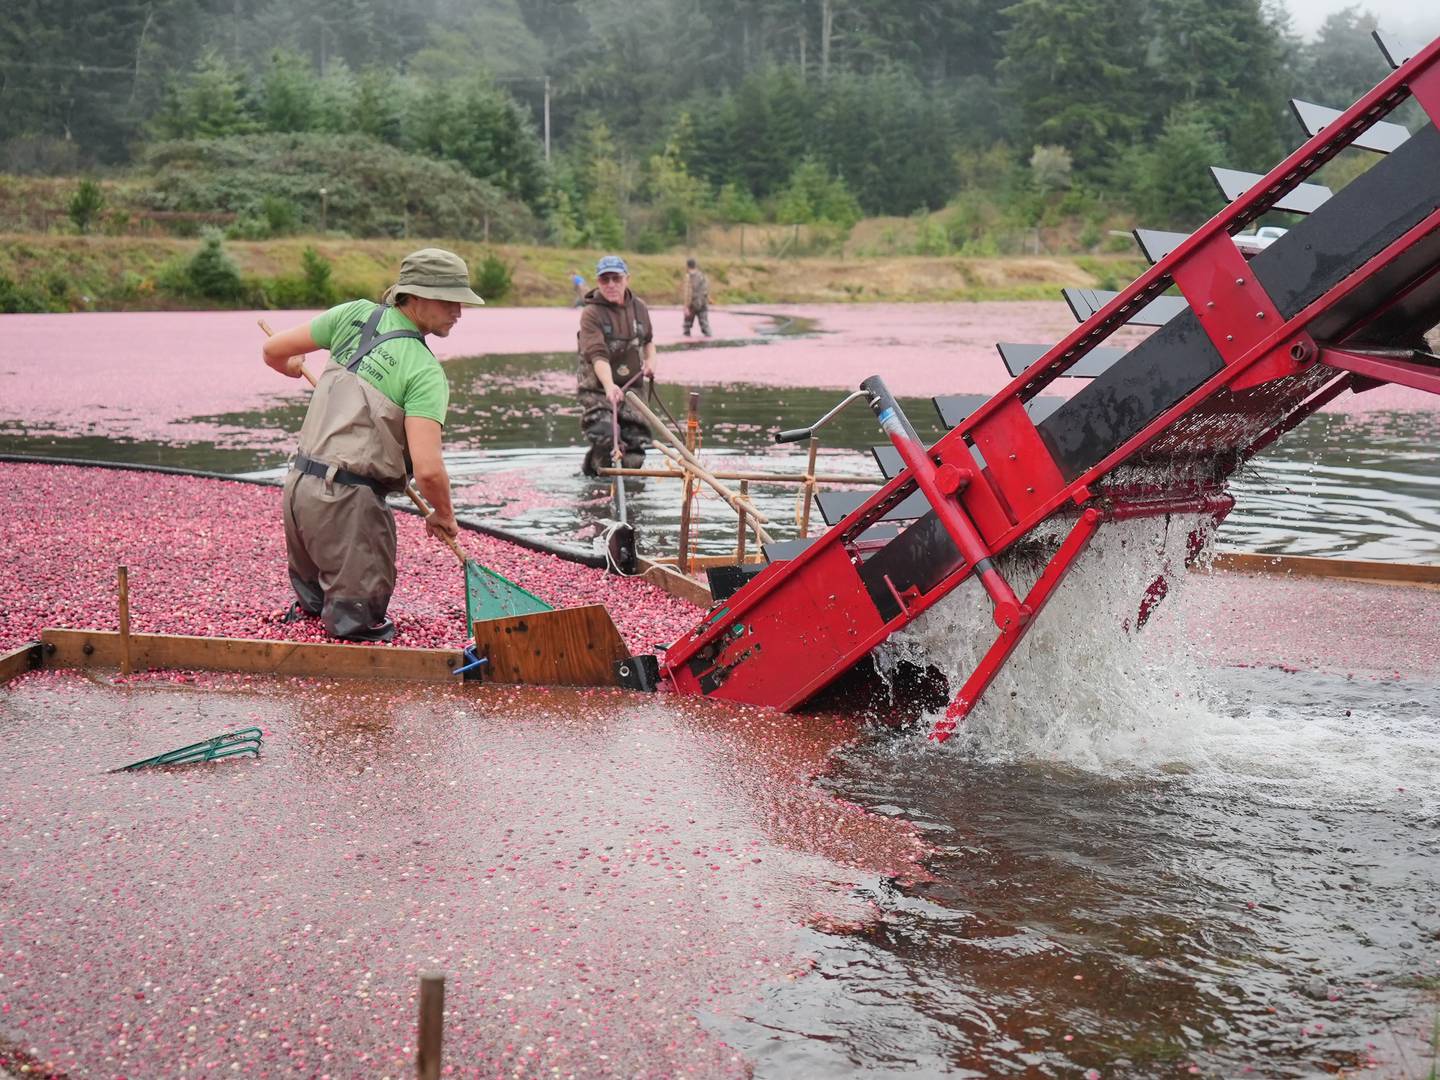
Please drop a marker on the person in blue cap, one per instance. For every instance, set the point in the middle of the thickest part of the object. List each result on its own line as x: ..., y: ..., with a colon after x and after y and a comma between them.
x: 616, y: 345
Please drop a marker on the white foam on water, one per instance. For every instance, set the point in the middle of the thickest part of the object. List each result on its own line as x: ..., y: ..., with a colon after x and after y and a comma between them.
x: 1299, y: 749
x: 1084, y: 689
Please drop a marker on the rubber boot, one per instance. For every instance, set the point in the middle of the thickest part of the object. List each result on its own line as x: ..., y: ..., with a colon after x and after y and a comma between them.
x: 596, y: 458
x: 309, y: 598
x: 296, y: 613
x: 354, y: 620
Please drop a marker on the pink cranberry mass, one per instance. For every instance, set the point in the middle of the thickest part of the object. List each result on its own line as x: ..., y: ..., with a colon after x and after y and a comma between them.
x: 594, y: 871
x: 207, y: 557
x: 73, y: 375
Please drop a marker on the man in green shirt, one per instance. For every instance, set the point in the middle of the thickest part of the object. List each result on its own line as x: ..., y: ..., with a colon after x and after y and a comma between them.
x: 377, y: 412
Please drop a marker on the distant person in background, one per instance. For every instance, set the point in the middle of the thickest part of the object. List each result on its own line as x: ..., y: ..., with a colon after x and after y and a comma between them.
x: 697, y: 298
x: 616, y: 345
x: 578, y: 281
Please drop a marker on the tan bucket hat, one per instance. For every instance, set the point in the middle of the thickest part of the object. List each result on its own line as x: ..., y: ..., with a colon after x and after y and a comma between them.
x: 435, y: 274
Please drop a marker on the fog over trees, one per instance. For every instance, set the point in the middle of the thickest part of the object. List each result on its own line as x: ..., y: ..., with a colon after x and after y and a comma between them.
x: 664, y: 113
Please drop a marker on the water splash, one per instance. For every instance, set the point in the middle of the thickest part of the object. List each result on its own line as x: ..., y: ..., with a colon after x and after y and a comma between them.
x: 1087, y: 691
x: 1084, y: 687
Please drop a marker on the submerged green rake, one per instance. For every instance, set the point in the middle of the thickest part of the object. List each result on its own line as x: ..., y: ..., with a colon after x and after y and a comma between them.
x: 231, y: 744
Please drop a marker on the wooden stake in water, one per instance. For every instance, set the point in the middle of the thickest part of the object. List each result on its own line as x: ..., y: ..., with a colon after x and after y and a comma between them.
x: 687, y: 486
x: 432, y: 1024
x: 809, y: 488
x: 744, y: 503
x: 124, y: 585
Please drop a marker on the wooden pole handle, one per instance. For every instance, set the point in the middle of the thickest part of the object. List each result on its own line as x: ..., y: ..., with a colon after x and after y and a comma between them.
x: 689, y: 460
x: 303, y: 369
x: 424, y: 508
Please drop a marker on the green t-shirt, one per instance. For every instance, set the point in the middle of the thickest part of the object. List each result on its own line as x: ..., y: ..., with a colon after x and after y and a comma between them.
x: 404, y: 370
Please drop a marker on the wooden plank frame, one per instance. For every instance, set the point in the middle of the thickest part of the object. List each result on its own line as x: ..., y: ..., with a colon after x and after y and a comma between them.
x: 102, y: 649
x: 681, y: 586
x: 569, y: 647
x: 27, y: 657
x: 1384, y: 573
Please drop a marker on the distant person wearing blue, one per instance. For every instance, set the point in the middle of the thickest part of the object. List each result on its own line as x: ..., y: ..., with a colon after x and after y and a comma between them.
x: 578, y: 281
x: 616, y: 345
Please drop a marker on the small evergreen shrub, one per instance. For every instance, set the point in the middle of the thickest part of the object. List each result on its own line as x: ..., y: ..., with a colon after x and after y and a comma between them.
x: 210, y: 272
x: 18, y: 298
x: 281, y: 215
x: 86, y: 204
x: 319, y: 285
x: 314, y: 288
x: 493, y: 278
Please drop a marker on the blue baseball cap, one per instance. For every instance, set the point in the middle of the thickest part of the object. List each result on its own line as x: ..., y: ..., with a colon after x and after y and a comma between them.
x: 611, y: 264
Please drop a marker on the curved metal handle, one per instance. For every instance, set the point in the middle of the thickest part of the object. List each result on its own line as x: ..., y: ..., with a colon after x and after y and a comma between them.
x: 794, y: 435
x: 801, y: 434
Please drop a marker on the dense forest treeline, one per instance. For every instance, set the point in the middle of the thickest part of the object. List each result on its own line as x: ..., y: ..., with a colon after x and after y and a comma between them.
x: 608, y: 123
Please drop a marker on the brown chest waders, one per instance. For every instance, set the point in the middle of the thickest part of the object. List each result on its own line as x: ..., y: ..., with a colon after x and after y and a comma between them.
x: 597, y: 416
x: 339, y: 533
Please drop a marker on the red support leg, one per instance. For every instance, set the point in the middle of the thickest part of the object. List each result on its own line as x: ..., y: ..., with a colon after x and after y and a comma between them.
x: 994, y: 658
x: 1383, y: 368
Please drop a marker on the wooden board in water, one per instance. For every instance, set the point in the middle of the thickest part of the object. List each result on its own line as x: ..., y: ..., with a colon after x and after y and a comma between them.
x: 18, y: 661
x: 678, y: 585
x: 571, y: 647
x: 1313, y: 566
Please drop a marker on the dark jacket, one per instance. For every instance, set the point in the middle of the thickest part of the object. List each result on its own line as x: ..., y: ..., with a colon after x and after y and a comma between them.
x: 614, y: 332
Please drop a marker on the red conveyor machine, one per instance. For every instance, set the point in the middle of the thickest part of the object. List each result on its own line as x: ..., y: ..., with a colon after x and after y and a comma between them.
x: 1248, y: 349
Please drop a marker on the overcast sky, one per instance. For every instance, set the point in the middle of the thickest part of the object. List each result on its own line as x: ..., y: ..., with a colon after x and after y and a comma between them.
x: 1416, y: 17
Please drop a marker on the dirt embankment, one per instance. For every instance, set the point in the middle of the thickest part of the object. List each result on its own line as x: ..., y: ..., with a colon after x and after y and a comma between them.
x: 125, y: 272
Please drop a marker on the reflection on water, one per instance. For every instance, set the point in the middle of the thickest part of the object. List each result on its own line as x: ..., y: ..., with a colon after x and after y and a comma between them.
x: 1266, y: 904
x: 1363, y: 486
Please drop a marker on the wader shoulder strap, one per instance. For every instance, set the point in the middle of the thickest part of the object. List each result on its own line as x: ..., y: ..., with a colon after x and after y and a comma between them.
x: 369, y: 339
x: 636, y: 327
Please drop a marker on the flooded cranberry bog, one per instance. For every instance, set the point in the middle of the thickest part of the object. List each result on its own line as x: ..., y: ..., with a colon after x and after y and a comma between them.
x: 1204, y: 848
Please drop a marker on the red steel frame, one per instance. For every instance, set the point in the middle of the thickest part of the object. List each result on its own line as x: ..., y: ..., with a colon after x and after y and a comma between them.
x: 800, y: 624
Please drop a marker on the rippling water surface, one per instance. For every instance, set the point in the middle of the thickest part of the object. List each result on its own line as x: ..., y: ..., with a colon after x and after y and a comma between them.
x: 1144, y: 864
x: 1362, y: 486
x: 1265, y: 901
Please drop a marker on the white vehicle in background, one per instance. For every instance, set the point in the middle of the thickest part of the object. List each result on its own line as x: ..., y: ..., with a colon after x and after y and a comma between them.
x: 1259, y: 240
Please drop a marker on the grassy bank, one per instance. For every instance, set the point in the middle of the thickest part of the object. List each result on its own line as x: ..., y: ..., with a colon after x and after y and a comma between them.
x: 107, y: 273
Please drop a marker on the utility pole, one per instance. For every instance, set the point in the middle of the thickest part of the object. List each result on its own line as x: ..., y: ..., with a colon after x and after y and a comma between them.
x: 827, y: 30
